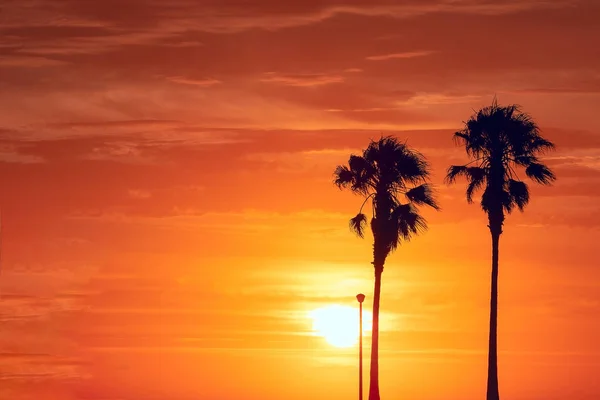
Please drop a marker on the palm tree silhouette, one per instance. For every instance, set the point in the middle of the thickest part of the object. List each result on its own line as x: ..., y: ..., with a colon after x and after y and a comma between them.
x: 393, y: 177
x: 500, y: 141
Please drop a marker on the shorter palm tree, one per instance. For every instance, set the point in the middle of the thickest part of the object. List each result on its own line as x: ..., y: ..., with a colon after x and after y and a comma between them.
x: 393, y: 177
x: 500, y: 141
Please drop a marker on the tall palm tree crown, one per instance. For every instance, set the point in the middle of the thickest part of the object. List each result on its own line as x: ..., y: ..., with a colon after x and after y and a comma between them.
x: 393, y: 177
x: 501, y: 141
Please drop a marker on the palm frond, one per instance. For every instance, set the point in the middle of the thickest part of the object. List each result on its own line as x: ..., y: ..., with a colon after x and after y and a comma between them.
x: 357, y: 163
x: 493, y: 199
x: 473, y: 135
x: 519, y: 193
x: 473, y: 187
x: 520, y: 131
x: 460, y: 137
x: 358, y: 223
x: 343, y: 177
x: 477, y: 177
x: 382, y: 151
x: 396, y: 163
x: 488, y: 200
x: 541, y: 145
x: 507, y: 202
x: 525, y: 159
x: 362, y: 171
x: 407, y: 222
x: 422, y: 195
x: 540, y: 173
x: 454, y: 171
x: 411, y: 166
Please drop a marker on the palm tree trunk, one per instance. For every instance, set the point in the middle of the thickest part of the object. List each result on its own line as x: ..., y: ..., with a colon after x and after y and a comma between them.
x: 492, y: 382
x: 374, y: 383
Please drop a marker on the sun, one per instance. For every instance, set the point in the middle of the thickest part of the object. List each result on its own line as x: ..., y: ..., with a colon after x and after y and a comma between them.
x: 339, y: 325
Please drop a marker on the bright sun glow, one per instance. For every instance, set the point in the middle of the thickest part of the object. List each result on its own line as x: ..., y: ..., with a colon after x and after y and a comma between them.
x: 339, y: 325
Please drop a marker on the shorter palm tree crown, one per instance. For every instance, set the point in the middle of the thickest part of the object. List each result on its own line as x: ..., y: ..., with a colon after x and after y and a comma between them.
x: 394, y: 177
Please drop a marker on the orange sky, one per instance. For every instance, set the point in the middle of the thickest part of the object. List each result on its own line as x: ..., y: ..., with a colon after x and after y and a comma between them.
x: 168, y: 216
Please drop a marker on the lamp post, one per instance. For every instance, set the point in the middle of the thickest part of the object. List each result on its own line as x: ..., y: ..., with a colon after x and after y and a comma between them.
x: 360, y: 297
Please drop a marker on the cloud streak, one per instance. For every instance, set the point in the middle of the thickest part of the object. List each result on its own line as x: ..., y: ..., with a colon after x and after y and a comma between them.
x: 16, y: 61
x: 195, y: 82
x: 405, y: 55
x: 302, y: 80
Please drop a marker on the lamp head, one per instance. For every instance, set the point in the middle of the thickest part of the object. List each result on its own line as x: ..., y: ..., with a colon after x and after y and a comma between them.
x: 360, y: 297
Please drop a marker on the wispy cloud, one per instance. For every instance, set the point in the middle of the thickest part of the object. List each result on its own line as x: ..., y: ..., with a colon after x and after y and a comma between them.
x: 197, y: 220
x: 11, y: 154
x: 18, y: 61
x: 440, y: 99
x: 139, y: 194
x: 117, y: 124
x: 195, y: 82
x: 129, y: 152
x: 104, y: 41
x: 592, y: 88
x: 302, y: 80
x: 404, y: 55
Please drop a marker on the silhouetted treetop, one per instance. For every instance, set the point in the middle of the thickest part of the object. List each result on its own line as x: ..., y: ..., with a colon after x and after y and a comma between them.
x: 394, y: 177
x: 501, y: 141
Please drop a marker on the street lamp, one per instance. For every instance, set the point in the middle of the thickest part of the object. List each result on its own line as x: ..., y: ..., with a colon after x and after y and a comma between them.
x: 360, y: 297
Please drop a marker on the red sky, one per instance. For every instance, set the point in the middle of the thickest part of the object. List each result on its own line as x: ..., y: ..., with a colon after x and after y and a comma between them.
x: 168, y: 216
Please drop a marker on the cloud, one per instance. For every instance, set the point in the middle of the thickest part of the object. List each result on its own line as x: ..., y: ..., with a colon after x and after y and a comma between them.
x: 573, y: 141
x: 266, y: 16
x: 142, y: 133
x: 27, y: 308
x: 428, y: 99
x: 410, y: 54
x: 590, y: 88
x: 196, y: 219
x: 13, y: 154
x: 302, y: 80
x: 139, y: 194
x: 105, y: 41
x: 194, y: 82
x: 127, y: 124
x: 69, y: 27
x: 129, y: 152
x: 588, y: 159
x: 58, y: 280
x: 16, y: 61
x: 301, y: 161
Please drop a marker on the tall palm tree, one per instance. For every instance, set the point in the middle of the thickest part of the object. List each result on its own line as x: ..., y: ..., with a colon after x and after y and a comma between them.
x: 393, y: 177
x: 500, y: 141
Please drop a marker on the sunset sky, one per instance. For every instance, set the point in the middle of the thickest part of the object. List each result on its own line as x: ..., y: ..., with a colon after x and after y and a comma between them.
x: 169, y: 220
